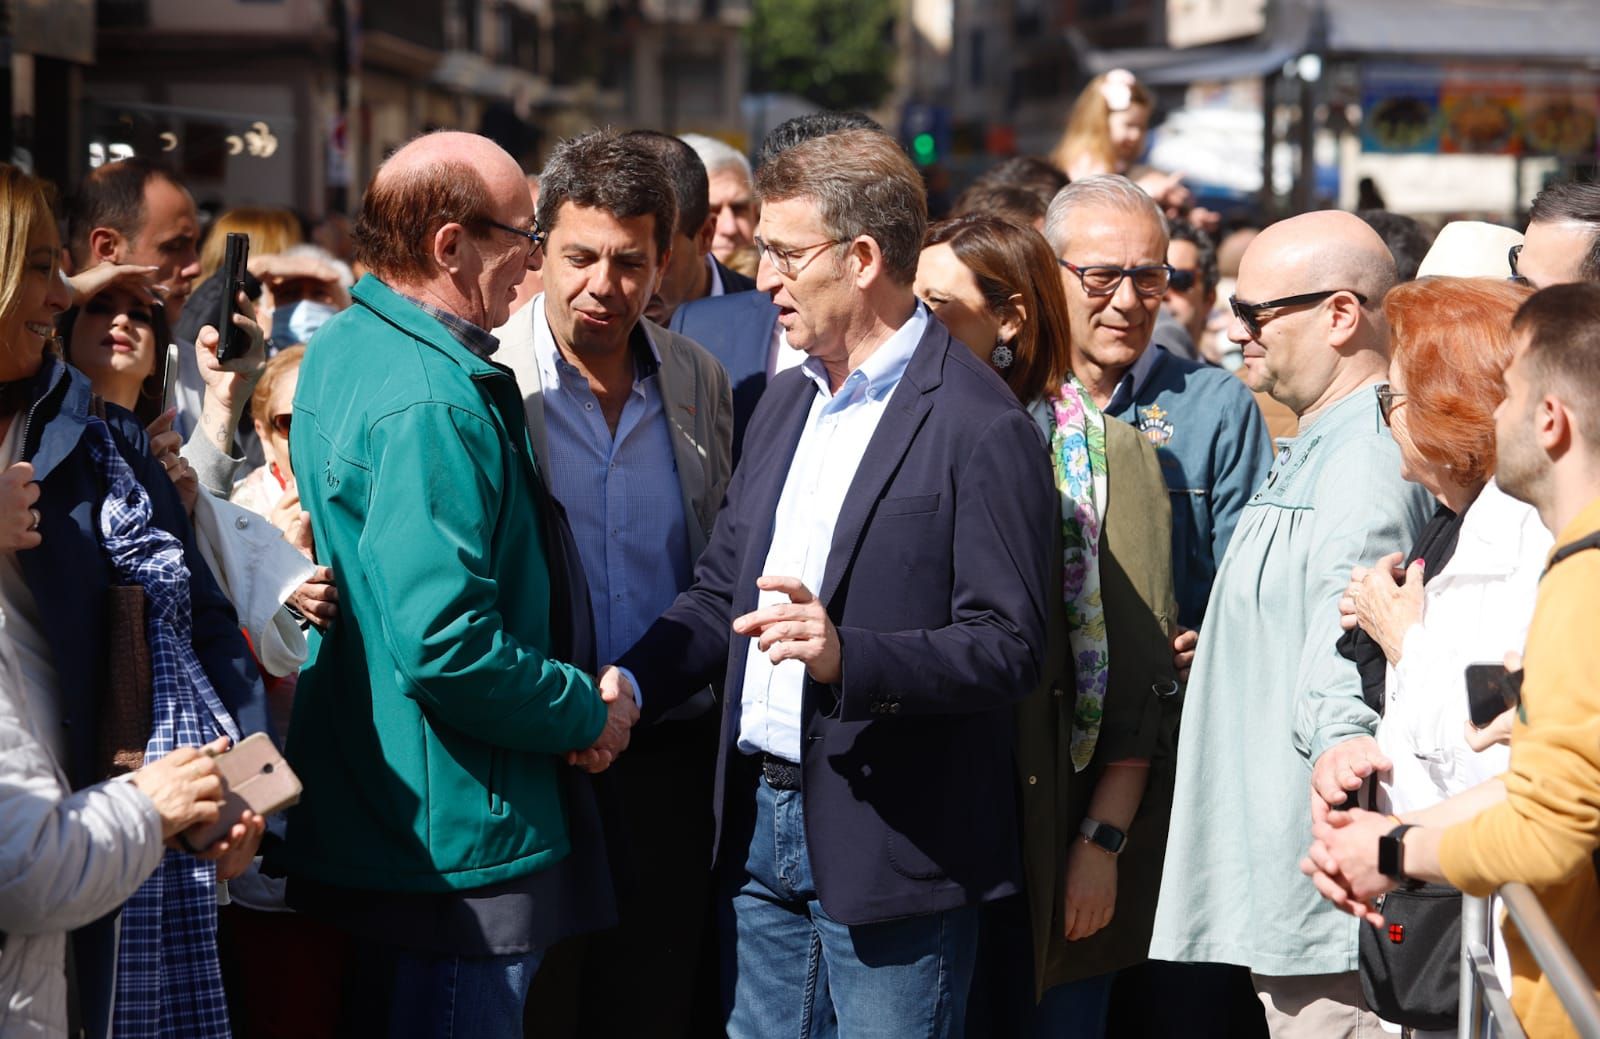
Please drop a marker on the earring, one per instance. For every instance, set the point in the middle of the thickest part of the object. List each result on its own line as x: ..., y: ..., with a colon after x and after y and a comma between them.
x: 1002, y: 355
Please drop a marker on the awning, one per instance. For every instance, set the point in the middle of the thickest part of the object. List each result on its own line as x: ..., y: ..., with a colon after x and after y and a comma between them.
x: 1557, y: 32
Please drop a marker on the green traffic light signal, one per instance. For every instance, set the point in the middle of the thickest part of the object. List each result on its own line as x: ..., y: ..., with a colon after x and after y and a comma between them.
x: 923, y: 149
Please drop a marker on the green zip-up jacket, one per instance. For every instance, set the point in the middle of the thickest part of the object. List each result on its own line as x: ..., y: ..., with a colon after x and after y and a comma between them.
x: 429, y: 723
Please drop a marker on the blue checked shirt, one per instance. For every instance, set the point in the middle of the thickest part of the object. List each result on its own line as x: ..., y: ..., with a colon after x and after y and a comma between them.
x: 169, y: 983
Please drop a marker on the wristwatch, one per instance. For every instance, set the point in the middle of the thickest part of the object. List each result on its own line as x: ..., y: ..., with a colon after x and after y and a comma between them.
x: 1103, y: 835
x: 1391, y: 853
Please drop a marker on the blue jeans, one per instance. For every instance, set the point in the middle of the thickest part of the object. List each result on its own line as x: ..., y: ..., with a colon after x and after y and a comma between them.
x: 1076, y: 1010
x: 441, y: 997
x: 799, y: 974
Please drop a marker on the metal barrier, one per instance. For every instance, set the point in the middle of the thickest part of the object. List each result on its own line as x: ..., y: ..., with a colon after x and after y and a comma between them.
x: 1485, y: 1009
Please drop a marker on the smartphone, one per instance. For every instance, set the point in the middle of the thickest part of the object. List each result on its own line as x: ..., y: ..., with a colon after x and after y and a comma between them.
x: 1491, y: 691
x: 234, y: 342
x: 254, y: 777
x: 169, y: 377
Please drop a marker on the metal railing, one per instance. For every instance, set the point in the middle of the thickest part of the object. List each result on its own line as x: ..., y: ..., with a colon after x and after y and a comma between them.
x: 1485, y: 1009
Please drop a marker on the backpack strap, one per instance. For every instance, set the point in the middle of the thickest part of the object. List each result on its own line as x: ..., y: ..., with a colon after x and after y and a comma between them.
x: 1560, y: 554
x: 1569, y: 550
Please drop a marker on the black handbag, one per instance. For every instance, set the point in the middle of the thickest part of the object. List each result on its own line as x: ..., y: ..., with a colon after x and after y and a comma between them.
x: 1410, y: 967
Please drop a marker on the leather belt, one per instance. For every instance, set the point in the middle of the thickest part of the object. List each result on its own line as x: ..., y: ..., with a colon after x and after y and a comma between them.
x: 781, y: 774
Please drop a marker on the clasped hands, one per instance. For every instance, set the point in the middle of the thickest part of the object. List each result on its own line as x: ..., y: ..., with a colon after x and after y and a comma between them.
x: 1342, y: 861
x: 799, y: 629
x: 622, y: 713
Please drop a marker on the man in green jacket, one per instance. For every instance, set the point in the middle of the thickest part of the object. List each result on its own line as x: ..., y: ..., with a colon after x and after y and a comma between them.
x: 432, y: 728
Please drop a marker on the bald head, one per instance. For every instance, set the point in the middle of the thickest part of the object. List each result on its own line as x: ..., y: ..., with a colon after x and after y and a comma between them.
x: 1324, y: 250
x: 453, y: 148
x: 437, y: 179
x: 1310, y: 353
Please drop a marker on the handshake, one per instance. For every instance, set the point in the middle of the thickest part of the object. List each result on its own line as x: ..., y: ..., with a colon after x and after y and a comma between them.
x: 622, y: 714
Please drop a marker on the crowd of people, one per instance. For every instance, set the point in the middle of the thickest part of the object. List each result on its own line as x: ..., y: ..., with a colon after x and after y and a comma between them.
x: 722, y: 602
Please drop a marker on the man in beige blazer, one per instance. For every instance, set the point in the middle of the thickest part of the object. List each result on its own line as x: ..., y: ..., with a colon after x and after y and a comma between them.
x: 632, y: 426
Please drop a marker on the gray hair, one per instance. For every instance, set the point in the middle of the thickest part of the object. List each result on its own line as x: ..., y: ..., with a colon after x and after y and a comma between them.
x: 717, y: 155
x: 861, y: 183
x: 1103, y: 191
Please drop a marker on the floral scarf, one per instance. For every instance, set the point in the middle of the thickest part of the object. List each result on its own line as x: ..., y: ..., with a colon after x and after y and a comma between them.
x: 1078, y: 451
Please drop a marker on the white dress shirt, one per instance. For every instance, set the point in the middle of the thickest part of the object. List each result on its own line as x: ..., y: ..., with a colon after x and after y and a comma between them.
x: 837, y: 431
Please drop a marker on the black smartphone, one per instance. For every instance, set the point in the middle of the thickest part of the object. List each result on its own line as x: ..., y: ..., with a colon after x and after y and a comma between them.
x: 1491, y: 690
x: 234, y: 342
x: 169, y: 377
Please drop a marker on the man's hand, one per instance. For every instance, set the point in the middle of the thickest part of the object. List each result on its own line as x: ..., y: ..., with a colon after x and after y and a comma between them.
x: 1091, y: 893
x: 1183, y: 645
x: 1341, y: 770
x: 165, y: 445
x: 19, y: 520
x: 622, y: 713
x: 1345, y: 854
x: 799, y: 629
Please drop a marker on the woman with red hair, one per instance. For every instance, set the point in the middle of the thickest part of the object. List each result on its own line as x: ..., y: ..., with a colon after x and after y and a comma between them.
x: 1467, y: 596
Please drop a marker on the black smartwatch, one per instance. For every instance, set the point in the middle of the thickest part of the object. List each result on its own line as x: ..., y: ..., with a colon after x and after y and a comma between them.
x: 1103, y: 835
x: 1391, y: 853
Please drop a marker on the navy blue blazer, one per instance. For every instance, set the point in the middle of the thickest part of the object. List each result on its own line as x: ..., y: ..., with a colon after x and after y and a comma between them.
x: 737, y: 330
x: 938, y: 581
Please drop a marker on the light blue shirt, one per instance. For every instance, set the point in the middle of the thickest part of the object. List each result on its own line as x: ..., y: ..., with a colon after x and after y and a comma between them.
x: 1269, y: 692
x: 621, y: 493
x: 837, y: 431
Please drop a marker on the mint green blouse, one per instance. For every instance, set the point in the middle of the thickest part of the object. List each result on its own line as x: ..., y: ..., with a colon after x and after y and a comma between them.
x: 1268, y: 693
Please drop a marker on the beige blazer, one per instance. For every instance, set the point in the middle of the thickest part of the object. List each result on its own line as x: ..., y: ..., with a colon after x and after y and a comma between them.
x: 695, y: 396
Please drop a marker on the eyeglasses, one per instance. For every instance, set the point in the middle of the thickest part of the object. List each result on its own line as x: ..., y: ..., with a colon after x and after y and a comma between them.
x: 1387, y: 400
x: 1101, y: 280
x: 1249, y: 314
x: 784, y: 260
x: 1183, y: 278
x: 280, y: 424
x: 1512, y: 256
x: 534, y: 236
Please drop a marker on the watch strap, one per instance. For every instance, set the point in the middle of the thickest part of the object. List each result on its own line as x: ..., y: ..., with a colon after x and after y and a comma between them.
x: 1103, y: 835
x: 1391, y: 852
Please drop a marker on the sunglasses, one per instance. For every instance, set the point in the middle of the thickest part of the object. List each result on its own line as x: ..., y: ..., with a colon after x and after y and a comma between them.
x: 1388, y: 400
x: 280, y: 424
x: 1183, y: 278
x: 1511, y: 259
x: 1249, y: 314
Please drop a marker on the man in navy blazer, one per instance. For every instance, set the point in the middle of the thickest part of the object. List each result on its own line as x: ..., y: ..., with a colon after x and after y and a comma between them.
x: 739, y: 330
x: 874, y: 598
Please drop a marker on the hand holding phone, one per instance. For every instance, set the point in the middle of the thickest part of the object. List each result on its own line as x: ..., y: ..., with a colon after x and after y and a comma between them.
x: 254, y: 778
x: 1491, y: 691
x: 233, y: 342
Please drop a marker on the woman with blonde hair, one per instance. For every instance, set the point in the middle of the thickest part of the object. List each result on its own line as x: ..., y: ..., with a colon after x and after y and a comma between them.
x: 1107, y: 128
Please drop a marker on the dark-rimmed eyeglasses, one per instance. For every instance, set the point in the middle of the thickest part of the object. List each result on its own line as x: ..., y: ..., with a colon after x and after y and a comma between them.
x: 1512, y: 255
x: 1249, y: 314
x: 281, y: 423
x: 534, y: 236
x: 1388, y: 400
x: 787, y: 261
x: 1098, y: 279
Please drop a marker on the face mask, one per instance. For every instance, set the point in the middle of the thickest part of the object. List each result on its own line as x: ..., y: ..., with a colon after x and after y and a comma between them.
x: 296, y: 322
